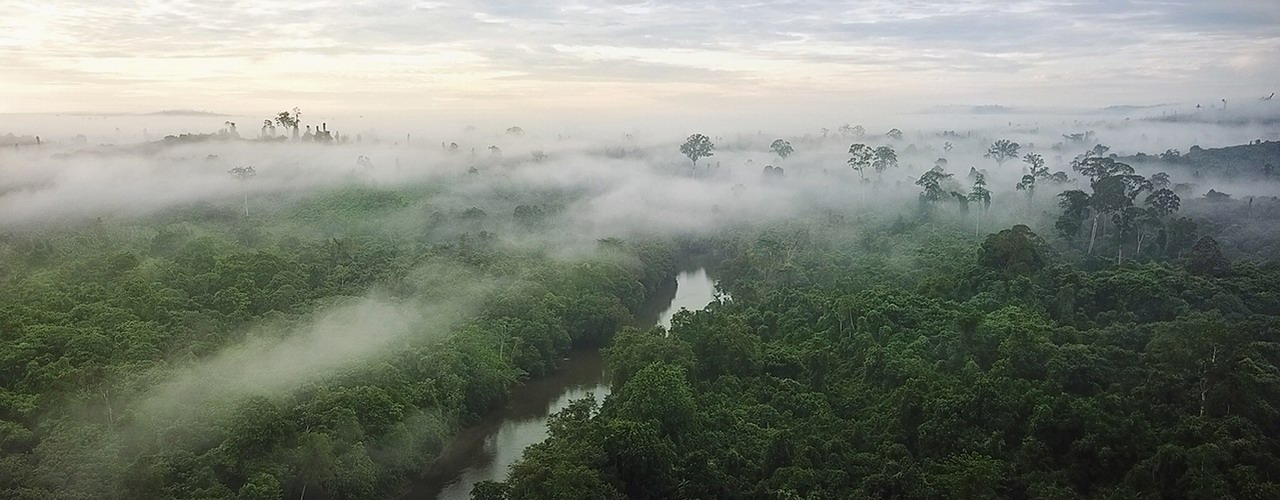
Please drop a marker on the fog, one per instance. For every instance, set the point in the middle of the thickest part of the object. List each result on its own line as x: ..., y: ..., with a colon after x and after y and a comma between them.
x: 628, y: 180
x: 622, y: 184
x: 619, y: 182
x: 275, y: 359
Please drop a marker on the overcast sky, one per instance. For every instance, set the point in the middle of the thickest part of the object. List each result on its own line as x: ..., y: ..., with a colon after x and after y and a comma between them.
x: 663, y: 57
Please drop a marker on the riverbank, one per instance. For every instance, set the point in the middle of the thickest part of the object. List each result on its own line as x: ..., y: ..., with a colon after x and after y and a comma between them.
x: 485, y: 450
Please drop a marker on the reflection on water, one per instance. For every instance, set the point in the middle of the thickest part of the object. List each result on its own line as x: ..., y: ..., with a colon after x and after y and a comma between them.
x: 485, y: 450
x: 694, y: 292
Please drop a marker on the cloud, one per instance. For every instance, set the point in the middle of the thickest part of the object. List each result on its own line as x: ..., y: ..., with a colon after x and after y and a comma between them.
x: 456, y: 54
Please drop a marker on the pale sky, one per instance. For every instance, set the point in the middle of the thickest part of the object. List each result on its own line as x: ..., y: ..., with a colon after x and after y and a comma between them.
x: 622, y: 56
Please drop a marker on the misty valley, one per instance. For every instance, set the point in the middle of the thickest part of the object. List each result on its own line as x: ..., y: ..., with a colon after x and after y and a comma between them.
x: 1026, y: 307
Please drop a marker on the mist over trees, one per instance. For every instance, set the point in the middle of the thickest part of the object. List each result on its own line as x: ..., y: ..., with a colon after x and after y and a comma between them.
x: 1002, y: 150
x: 616, y: 250
x: 218, y: 316
x: 699, y: 146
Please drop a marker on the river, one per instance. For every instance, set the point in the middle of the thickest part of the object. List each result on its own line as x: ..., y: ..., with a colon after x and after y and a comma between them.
x: 486, y: 449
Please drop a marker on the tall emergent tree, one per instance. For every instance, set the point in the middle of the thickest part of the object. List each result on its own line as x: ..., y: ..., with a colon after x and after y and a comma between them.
x: 1099, y: 167
x: 1113, y: 195
x: 885, y: 158
x: 1160, y: 203
x: 244, y: 174
x: 982, y: 196
x: 290, y: 121
x: 1035, y: 166
x: 781, y: 148
x: 932, y: 181
x: 1075, y: 208
x: 1035, y: 170
x: 697, y: 146
x: 1002, y: 150
x: 860, y: 157
x: 1028, y: 184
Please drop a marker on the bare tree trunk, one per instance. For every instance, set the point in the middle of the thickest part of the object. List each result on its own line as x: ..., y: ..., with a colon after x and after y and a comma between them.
x: 246, y: 203
x: 111, y: 415
x: 1093, y: 233
x: 1119, y: 246
x: 1204, y: 378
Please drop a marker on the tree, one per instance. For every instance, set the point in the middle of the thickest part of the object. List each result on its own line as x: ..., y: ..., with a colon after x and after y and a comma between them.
x: 1144, y: 223
x: 1035, y: 166
x: 1075, y: 207
x: 885, y: 158
x: 659, y: 393
x: 1028, y: 184
x: 947, y: 146
x: 1002, y: 150
x: 1163, y: 202
x: 1113, y: 194
x: 634, y: 349
x: 1098, y: 167
x: 230, y: 131
x: 1097, y: 151
x: 894, y: 134
x: 516, y: 131
x: 1160, y: 204
x: 314, y: 462
x: 931, y: 181
x: 1017, y: 250
x: 861, y: 157
x: 856, y: 131
x: 781, y: 148
x: 1160, y: 180
x: 697, y: 146
x: 290, y: 121
x: 1205, y: 259
x: 1216, y: 196
x: 1125, y: 219
x: 243, y: 174
x: 981, y: 195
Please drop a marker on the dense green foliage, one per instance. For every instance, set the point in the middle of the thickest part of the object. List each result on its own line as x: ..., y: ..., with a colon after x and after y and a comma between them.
x: 1246, y: 161
x: 327, y: 344
x: 897, y: 363
x: 98, y: 321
